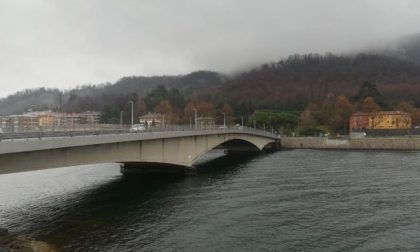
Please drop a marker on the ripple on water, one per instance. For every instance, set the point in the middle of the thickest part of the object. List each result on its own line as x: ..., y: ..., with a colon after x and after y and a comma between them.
x: 293, y: 201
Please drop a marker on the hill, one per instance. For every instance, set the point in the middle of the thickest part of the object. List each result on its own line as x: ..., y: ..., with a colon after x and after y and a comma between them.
x: 287, y: 85
x: 292, y: 83
x: 102, y: 96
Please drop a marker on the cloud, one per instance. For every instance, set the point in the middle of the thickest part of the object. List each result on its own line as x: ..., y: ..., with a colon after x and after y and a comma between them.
x: 68, y: 43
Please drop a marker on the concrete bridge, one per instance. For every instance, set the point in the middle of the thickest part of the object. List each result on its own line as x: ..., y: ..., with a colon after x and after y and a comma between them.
x: 171, y: 151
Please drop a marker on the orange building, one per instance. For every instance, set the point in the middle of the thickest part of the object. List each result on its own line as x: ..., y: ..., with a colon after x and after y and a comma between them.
x: 380, y: 120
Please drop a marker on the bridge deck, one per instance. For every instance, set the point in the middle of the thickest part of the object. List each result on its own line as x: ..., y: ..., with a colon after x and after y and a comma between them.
x: 45, y: 143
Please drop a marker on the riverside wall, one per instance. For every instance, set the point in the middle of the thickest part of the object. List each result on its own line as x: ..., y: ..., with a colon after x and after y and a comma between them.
x: 368, y: 143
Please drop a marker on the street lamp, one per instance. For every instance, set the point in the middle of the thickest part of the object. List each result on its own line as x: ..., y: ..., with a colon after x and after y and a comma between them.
x: 224, y: 119
x: 195, y: 118
x: 132, y: 112
x: 121, y: 121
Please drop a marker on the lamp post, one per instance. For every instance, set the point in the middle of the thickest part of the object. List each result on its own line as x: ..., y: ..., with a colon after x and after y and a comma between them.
x: 132, y: 112
x: 242, y: 121
x: 224, y: 120
x: 121, y: 121
x: 195, y: 118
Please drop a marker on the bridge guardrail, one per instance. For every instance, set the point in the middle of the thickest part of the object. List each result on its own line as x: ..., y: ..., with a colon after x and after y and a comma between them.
x: 107, y: 129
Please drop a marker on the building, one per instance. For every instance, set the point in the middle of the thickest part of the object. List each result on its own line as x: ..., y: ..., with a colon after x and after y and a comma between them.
x: 380, y: 120
x: 19, y: 123
x: 90, y: 117
x: 205, y: 122
x: 47, y: 119
x: 359, y: 121
x: 152, y: 120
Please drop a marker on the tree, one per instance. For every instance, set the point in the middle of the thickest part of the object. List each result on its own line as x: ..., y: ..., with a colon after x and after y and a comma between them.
x: 153, y: 98
x: 369, y: 105
x: 342, y: 112
x: 205, y: 109
x: 279, y: 121
x: 188, y: 115
x: 227, y: 109
x: 369, y: 90
x: 165, y: 108
x: 176, y: 99
x: 307, y: 119
x: 411, y: 109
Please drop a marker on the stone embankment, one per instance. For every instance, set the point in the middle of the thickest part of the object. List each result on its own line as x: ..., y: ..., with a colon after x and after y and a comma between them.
x: 368, y: 143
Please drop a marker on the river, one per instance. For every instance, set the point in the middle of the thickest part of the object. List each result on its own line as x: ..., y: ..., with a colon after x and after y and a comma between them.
x: 301, y: 200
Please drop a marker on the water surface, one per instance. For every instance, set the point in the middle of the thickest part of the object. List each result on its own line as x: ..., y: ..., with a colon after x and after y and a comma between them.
x: 302, y: 200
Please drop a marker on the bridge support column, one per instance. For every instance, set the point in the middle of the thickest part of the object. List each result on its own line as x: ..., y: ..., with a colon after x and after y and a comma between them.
x: 274, y: 146
x: 143, y: 168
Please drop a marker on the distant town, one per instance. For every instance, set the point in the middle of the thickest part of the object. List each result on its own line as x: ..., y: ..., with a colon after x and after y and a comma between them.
x: 47, y: 119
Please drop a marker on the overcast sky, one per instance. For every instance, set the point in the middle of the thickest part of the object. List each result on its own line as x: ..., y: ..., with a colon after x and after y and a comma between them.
x: 65, y: 43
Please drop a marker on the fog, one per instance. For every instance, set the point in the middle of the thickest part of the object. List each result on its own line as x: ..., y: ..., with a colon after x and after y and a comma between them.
x: 67, y: 43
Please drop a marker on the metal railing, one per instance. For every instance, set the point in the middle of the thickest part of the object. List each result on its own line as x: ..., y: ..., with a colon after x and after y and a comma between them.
x: 111, y: 129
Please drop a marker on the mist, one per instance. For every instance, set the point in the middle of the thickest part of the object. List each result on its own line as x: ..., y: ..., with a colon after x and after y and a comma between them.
x: 63, y: 44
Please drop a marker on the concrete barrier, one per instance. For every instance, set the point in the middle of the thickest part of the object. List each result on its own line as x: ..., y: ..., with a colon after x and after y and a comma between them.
x: 376, y: 143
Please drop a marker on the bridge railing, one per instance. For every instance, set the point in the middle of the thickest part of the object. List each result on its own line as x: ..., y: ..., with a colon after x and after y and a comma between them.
x: 108, y: 129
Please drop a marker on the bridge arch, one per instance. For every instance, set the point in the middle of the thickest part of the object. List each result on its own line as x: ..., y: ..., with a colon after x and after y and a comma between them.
x: 236, y: 144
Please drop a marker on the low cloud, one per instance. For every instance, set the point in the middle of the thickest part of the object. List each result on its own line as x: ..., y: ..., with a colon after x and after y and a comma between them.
x: 67, y: 43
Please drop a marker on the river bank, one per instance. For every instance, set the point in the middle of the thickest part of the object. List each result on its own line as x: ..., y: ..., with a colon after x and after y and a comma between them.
x: 369, y: 143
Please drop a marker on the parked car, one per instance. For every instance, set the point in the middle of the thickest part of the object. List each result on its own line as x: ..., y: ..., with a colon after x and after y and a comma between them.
x: 137, y: 128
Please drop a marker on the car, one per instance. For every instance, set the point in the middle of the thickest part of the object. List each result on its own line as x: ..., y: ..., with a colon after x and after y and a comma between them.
x: 137, y: 128
x: 239, y: 127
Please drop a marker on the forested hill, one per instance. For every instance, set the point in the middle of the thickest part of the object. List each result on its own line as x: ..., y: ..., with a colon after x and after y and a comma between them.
x: 106, y: 96
x: 289, y: 84
x: 292, y: 83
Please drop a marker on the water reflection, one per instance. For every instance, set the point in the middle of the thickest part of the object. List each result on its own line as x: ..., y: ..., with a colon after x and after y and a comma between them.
x: 85, y: 217
x: 292, y: 201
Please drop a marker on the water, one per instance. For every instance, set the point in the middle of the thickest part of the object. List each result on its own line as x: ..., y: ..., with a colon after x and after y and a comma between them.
x: 302, y: 200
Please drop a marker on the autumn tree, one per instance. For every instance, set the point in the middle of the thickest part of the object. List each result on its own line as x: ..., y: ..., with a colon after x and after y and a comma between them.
x: 205, y: 109
x: 342, y: 112
x: 140, y: 107
x: 369, y: 105
x: 165, y: 108
x: 411, y: 109
x: 188, y: 115
x: 307, y: 119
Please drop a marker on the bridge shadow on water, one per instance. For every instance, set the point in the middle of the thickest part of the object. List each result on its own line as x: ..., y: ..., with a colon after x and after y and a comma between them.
x: 124, y: 203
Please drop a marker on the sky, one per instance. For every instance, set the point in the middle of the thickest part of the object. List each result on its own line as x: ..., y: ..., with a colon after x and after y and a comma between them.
x: 63, y: 44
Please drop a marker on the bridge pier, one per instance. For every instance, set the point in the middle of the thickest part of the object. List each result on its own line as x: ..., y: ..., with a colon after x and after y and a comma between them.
x: 145, y: 168
x: 274, y: 146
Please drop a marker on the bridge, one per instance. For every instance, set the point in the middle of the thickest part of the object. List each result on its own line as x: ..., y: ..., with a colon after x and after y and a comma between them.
x: 168, y: 150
